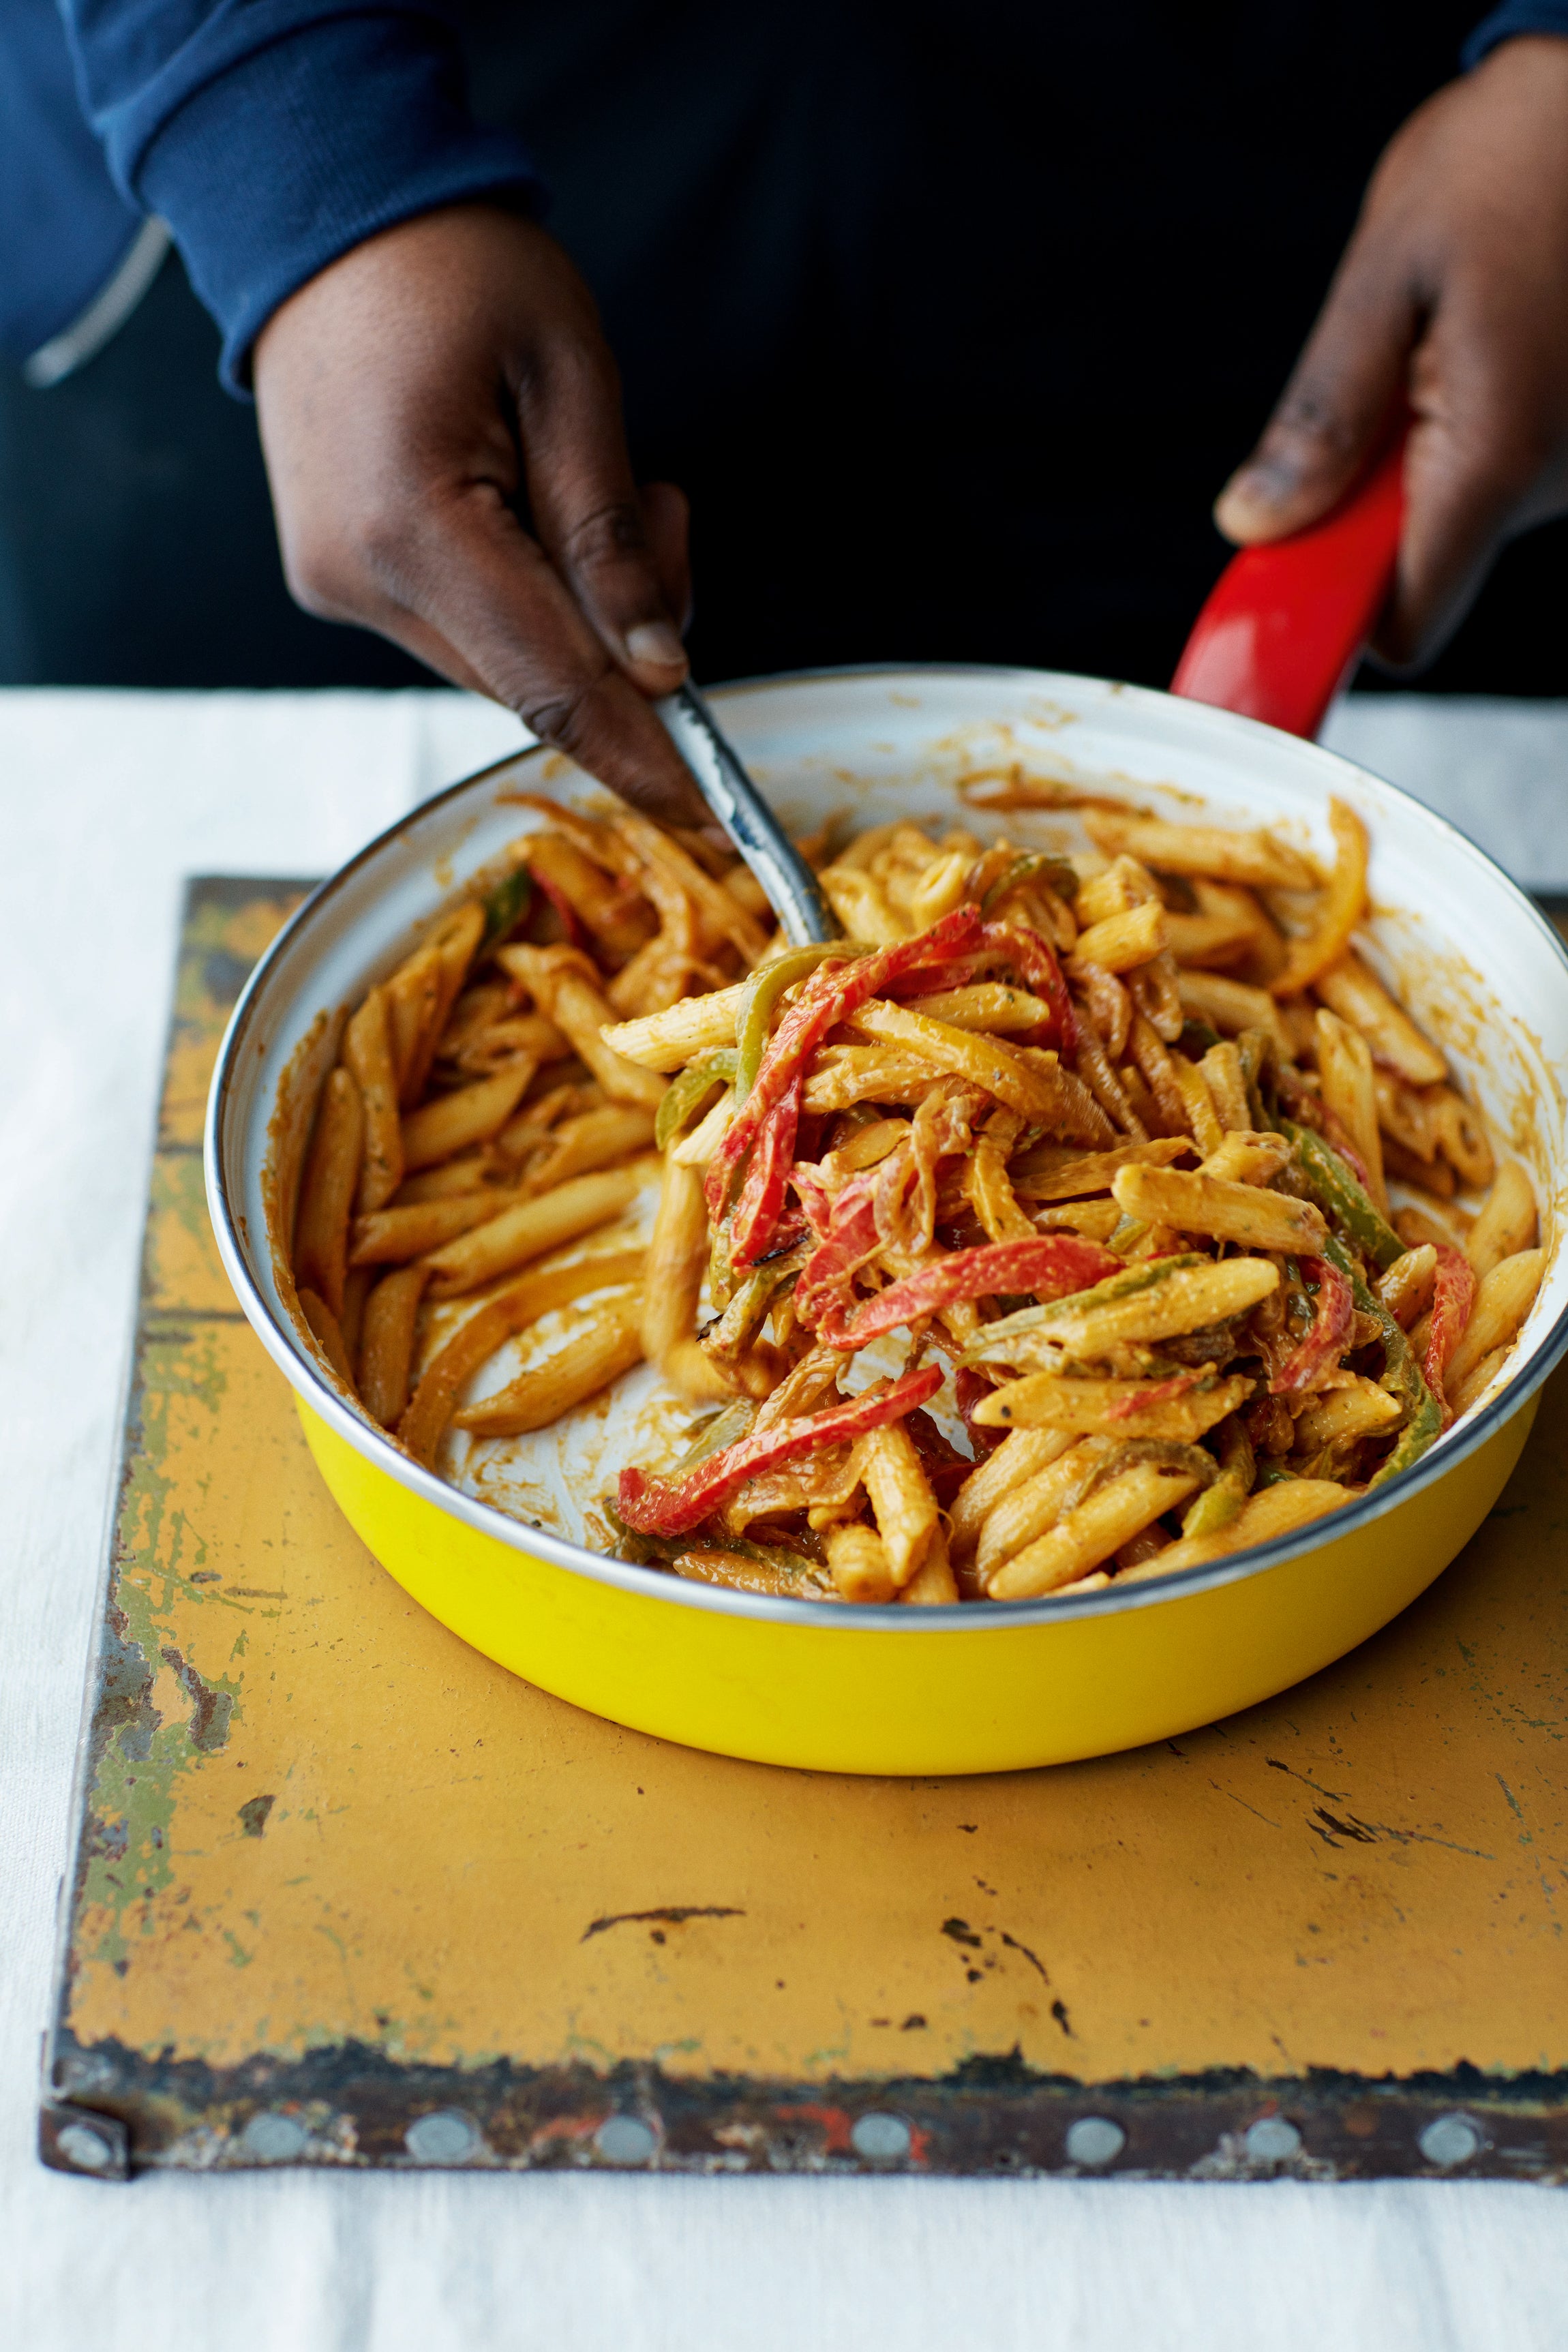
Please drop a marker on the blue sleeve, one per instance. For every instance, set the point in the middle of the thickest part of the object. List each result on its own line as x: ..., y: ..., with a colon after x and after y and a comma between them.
x: 1515, y: 17
x: 274, y: 134
x: 64, y: 228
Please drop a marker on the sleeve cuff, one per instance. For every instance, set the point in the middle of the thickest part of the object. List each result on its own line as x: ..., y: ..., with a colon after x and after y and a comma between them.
x: 1507, y: 23
x: 275, y: 168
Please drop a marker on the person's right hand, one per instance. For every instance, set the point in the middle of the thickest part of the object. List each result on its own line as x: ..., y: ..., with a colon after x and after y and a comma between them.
x: 410, y: 397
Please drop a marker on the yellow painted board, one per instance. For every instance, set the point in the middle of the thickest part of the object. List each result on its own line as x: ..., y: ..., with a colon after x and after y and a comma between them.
x: 344, y: 1885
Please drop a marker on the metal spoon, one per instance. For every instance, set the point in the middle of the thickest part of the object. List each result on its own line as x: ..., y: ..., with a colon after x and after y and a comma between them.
x: 791, y: 885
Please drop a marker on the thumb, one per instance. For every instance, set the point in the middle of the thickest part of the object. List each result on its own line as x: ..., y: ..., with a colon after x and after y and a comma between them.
x: 1333, y: 413
x: 590, y: 519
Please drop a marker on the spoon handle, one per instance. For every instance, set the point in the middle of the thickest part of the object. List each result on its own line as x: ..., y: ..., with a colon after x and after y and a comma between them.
x: 791, y: 885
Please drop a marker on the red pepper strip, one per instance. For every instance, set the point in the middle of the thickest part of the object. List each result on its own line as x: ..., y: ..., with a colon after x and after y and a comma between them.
x: 1331, y: 1329
x: 834, y: 991
x: 960, y: 973
x: 847, y: 1235
x: 673, y: 1507
x: 761, y: 1200
x: 1161, y: 1392
x: 1051, y: 1267
x: 969, y: 1387
x: 1034, y: 960
x: 1453, y: 1295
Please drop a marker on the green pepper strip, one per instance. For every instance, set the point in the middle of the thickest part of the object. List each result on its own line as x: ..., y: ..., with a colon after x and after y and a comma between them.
x: 753, y: 1016
x: 1059, y: 873
x: 1402, y: 1374
x: 1339, y: 1195
x: 1255, y: 1046
x: 1220, y: 1503
x: 779, y: 1556
x: 505, y: 907
x: 684, y: 1094
x: 1145, y: 1276
x: 721, y: 1429
x: 748, y: 1310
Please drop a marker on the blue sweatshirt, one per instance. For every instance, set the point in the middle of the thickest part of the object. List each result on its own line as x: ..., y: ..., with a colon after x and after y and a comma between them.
x: 272, y: 135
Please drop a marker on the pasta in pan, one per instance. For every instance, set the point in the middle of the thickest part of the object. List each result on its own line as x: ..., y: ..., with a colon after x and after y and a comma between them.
x: 1074, y: 1219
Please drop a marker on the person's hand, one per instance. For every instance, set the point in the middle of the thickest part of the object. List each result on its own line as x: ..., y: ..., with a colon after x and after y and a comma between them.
x: 1452, y: 299
x: 411, y: 398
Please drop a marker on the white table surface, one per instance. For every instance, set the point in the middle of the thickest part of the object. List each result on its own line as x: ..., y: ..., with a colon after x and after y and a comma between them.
x: 106, y: 801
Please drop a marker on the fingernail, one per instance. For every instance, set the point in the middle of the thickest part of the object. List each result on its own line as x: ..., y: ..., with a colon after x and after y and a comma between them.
x: 656, y: 642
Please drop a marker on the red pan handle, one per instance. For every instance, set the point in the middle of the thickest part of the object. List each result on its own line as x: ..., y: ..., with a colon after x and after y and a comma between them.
x: 1284, y: 621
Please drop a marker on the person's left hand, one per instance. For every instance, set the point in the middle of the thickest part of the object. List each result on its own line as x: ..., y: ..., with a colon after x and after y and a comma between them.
x: 1452, y: 299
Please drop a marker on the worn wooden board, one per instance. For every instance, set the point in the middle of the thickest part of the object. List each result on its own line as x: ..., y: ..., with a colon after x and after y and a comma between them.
x: 346, y: 1892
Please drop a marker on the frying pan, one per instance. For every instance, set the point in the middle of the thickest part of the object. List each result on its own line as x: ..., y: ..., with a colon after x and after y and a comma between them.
x: 981, y: 1687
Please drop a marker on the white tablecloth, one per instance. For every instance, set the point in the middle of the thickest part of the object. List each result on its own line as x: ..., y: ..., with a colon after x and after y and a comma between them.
x: 108, y: 800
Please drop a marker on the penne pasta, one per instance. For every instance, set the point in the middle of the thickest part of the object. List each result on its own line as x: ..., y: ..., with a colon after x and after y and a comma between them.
x: 1047, y: 1401
x: 1122, y: 1509
x: 990, y: 1005
x: 1353, y: 1411
x: 425, y: 1420
x: 1263, y: 1517
x: 933, y: 1584
x: 530, y: 1227
x: 669, y: 1040
x: 677, y: 1262
x: 563, y: 987
x: 1256, y: 858
x: 392, y: 1236
x: 1344, y: 1069
x: 1228, y: 1212
x: 326, y: 1195
x: 594, y: 1138
x: 456, y: 1122
x: 1020, y: 1456
x: 1504, y: 1297
x: 986, y: 1061
x: 858, y: 1562
x: 1230, y: 1006
x: 1342, y: 905
x: 327, y: 1333
x: 1035, y: 1506
x: 1348, y: 988
x: 609, y: 1345
x: 1121, y: 941
x: 1506, y: 1222
x: 368, y: 1054
x: 386, y: 1347
x: 902, y: 1500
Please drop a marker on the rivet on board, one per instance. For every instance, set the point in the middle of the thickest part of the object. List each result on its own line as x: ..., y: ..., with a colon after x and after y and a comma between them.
x: 86, y: 2148
x: 625, y: 2139
x: 1271, y: 2140
x: 272, y: 2139
x: 881, y: 2139
x: 1094, y: 2140
x: 1451, y: 2141
x: 445, y: 2137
